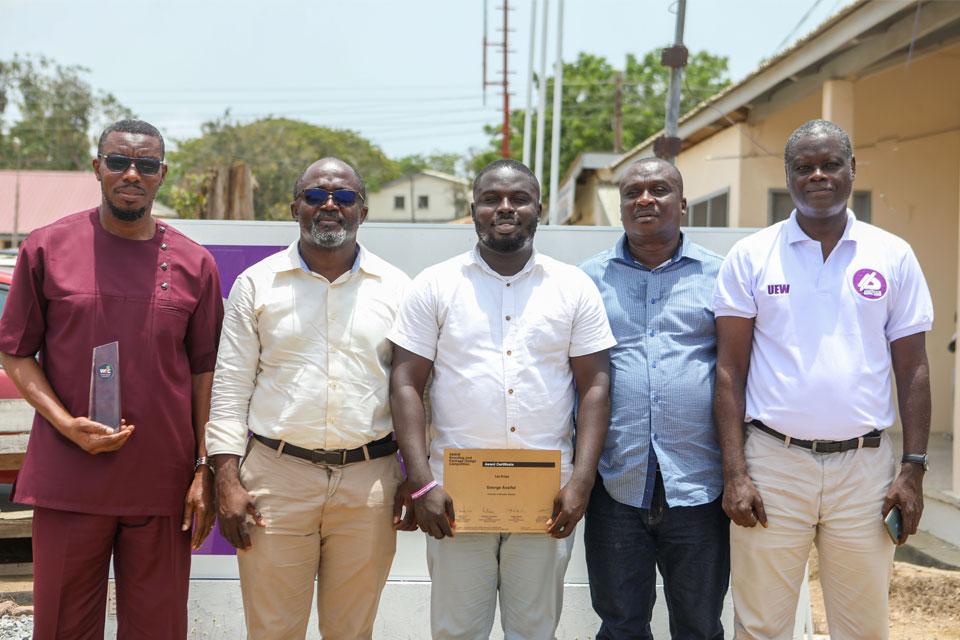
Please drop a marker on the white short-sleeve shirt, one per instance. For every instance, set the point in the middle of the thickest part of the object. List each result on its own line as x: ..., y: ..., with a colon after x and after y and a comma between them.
x: 820, y: 362
x: 501, y: 347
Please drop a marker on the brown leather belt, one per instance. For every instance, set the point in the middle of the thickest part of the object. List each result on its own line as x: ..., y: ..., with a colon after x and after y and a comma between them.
x: 376, y: 449
x: 868, y: 440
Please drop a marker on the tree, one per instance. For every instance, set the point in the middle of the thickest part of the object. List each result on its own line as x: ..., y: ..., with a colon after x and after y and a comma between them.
x: 277, y: 150
x: 57, y: 114
x: 589, y: 87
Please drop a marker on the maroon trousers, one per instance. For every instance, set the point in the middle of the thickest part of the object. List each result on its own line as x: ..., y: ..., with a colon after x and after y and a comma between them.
x: 71, y: 562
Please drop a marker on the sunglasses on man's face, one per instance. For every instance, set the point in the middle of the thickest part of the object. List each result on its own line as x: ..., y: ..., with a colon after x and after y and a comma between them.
x: 341, y: 197
x: 119, y: 164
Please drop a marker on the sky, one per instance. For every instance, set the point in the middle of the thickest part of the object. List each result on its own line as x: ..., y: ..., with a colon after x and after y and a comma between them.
x: 405, y: 75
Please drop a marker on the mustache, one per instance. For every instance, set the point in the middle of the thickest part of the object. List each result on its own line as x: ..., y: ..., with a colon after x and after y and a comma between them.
x: 335, y: 217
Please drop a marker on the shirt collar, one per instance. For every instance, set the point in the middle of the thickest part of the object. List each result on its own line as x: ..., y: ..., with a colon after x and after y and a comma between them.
x: 687, y: 249
x: 534, y: 261
x: 291, y: 260
x: 795, y: 234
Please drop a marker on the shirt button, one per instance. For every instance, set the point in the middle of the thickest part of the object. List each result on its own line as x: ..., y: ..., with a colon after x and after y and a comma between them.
x: 512, y: 429
x: 655, y: 437
x: 163, y: 285
x: 163, y: 265
x: 163, y: 229
x: 164, y: 246
x: 652, y: 333
x: 509, y: 353
x: 656, y: 398
x: 508, y: 284
x: 653, y: 301
x: 510, y: 391
x: 508, y: 318
x: 653, y: 364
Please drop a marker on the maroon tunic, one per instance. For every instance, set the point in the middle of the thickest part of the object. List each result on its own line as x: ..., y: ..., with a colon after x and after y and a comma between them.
x: 77, y: 286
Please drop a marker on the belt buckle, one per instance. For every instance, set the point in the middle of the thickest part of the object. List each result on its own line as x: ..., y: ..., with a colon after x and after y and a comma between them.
x: 323, y: 456
x: 813, y: 447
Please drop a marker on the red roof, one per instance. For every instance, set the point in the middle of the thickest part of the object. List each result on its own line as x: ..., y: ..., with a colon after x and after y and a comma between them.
x: 45, y: 196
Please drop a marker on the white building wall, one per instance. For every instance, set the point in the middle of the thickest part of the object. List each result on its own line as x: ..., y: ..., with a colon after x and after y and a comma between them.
x: 440, y: 195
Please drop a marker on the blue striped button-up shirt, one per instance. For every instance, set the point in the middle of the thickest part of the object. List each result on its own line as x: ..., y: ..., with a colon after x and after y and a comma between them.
x: 661, y: 375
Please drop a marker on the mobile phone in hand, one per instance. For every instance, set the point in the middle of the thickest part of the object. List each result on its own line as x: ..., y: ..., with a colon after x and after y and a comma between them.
x: 894, y: 524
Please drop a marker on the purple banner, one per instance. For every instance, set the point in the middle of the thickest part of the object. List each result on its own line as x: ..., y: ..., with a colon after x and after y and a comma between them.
x: 231, y: 262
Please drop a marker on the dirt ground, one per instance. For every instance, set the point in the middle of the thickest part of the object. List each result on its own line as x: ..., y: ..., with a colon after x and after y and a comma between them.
x: 924, y: 603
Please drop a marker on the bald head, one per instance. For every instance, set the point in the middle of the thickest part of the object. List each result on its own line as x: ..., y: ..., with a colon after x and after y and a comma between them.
x: 299, y: 185
x: 650, y: 164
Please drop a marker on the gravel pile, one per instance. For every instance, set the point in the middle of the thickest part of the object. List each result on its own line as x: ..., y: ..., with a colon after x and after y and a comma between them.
x: 14, y: 627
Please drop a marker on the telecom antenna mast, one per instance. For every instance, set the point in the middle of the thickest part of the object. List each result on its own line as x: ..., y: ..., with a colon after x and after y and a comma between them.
x: 504, y: 83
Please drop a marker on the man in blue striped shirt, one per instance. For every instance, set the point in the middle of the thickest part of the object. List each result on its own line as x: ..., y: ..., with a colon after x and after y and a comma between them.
x: 657, y: 501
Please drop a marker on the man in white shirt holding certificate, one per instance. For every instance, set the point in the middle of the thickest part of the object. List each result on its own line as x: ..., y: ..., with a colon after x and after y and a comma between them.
x: 506, y: 331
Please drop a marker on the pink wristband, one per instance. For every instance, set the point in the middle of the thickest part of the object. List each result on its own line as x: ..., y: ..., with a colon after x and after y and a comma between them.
x: 426, y: 489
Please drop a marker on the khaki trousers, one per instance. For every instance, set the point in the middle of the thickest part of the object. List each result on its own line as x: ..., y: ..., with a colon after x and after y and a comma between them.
x: 332, y: 524
x: 834, y: 501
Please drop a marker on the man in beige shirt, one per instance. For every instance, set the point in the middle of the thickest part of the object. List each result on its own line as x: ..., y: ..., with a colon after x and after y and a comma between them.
x: 304, y: 365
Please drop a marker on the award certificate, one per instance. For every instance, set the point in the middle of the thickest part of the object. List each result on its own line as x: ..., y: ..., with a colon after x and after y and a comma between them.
x: 502, y: 490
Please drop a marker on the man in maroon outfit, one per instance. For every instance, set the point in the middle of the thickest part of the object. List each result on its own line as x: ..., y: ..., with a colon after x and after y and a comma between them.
x: 114, y: 273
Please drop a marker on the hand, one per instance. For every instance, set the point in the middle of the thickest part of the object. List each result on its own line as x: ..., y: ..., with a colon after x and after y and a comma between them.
x: 199, y: 504
x: 907, y: 493
x: 94, y: 437
x: 568, y: 508
x: 434, y: 513
x: 742, y: 502
x: 401, y: 501
x: 233, y: 505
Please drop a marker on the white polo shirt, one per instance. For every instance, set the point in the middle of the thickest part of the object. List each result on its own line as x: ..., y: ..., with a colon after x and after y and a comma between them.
x: 501, y: 347
x: 820, y: 362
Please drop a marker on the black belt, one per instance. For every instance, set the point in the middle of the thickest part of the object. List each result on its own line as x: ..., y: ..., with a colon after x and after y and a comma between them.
x: 376, y: 449
x: 868, y: 440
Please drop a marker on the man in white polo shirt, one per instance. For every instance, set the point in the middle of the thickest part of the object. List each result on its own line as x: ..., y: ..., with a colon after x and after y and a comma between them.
x: 812, y: 313
x: 506, y: 331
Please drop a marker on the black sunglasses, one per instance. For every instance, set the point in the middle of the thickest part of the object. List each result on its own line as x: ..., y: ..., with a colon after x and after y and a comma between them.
x: 119, y: 164
x: 316, y: 197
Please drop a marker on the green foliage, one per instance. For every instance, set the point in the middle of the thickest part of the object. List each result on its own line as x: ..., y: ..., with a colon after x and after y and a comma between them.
x: 449, y: 163
x: 53, y: 112
x: 589, y: 87
x: 277, y: 150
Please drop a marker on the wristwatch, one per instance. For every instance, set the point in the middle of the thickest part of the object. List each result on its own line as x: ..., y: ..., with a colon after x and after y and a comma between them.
x: 916, y: 458
x: 203, y: 460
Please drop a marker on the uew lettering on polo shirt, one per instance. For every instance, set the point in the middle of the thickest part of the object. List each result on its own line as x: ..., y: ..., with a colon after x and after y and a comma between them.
x: 777, y: 289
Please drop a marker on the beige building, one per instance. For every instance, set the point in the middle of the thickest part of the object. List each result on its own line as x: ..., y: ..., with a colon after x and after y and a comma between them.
x: 889, y: 74
x: 427, y: 196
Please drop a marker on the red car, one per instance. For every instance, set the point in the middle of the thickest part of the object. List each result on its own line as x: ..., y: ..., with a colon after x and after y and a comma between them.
x: 7, y: 389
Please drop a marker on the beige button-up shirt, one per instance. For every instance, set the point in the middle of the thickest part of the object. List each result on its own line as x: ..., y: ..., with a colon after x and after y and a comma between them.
x: 303, y: 359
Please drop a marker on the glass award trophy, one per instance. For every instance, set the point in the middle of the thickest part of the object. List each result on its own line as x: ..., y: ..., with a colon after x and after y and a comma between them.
x: 105, y: 385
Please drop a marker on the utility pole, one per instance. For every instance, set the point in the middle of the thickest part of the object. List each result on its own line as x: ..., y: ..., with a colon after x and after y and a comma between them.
x: 14, y: 237
x: 505, y: 151
x: 557, y: 108
x: 668, y: 146
x: 542, y: 97
x: 528, y: 114
x: 618, y: 114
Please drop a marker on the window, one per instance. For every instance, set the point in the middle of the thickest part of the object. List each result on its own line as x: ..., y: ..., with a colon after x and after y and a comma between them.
x: 781, y: 205
x: 423, y: 202
x: 861, y: 205
x: 710, y: 211
x: 399, y: 203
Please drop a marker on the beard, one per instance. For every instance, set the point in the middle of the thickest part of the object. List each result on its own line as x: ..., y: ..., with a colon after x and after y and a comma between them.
x: 510, y: 244
x: 331, y: 239
x: 127, y: 215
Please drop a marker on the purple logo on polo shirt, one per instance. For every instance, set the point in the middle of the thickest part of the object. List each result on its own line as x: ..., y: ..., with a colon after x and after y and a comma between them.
x: 870, y: 284
x: 777, y: 289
